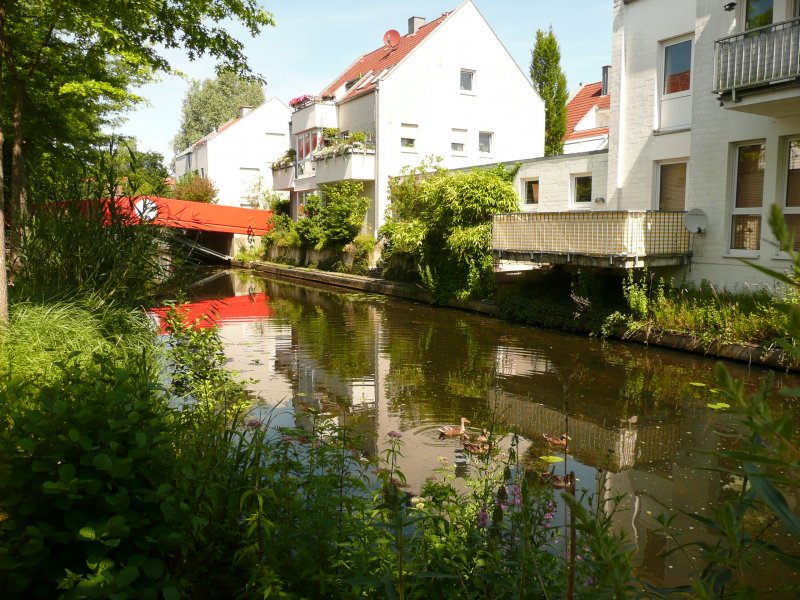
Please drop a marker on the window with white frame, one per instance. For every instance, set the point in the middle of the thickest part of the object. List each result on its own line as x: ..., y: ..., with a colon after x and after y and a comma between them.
x: 408, y: 136
x: 582, y: 190
x: 458, y: 141
x: 791, y: 203
x: 485, y: 139
x: 675, y: 84
x: 467, y: 80
x: 531, y: 192
x: 748, y: 196
x: 672, y: 185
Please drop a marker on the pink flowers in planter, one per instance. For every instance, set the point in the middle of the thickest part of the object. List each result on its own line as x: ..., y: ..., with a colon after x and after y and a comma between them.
x: 300, y: 100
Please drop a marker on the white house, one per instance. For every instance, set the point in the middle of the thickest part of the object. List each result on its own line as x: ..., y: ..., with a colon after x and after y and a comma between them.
x: 588, y: 116
x: 446, y: 88
x: 237, y: 157
x: 705, y: 115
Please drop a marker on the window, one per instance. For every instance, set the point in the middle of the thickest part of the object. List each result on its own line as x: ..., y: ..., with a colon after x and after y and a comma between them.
x: 672, y: 186
x: 408, y: 136
x: 532, y: 191
x: 748, y: 197
x: 485, y: 142
x: 792, y: 199
x: 757, y: 13
x: 458, y: 143
x: 582, y: 189
x: 467, y: 80
x: 677, y: 67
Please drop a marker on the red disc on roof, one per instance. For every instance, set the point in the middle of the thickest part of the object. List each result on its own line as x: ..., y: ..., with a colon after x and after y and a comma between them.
x: 391, y: 38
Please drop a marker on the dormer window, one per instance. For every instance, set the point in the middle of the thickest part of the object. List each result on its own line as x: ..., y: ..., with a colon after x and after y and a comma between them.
x: 467, y: 80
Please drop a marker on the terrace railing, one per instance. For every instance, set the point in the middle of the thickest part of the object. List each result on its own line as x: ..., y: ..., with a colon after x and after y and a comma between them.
x: 761, y: 56
x: 597, y: 233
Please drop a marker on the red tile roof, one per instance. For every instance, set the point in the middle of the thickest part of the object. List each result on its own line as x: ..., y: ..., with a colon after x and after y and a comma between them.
x: 577, y: 108
x: 379, y: 60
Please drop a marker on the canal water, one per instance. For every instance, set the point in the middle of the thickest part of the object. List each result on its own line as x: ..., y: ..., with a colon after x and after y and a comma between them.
x: 638, y: 417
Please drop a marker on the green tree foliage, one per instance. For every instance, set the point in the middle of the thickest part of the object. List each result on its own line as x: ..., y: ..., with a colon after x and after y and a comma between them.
x: 195, y: 188
x: 333, y: 219
x: 211, y: 103
x: 443, y: 220
x: 68, y: 68
x: 551, y: 84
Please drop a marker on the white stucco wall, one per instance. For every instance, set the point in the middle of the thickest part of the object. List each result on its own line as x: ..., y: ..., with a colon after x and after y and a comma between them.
x: 243, y: 152
x: 555, y: 175
x: 424, y: 90
x: 636, y: 145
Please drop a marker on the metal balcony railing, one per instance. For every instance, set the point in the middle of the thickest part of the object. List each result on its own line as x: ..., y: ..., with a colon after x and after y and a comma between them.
x: 757, y: 57
x: 601, y: 233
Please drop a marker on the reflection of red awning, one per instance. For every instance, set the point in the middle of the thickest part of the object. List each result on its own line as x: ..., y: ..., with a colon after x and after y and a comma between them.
x: 216, y: 312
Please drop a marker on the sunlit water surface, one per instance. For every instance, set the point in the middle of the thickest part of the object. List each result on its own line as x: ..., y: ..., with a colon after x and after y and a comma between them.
x: 638, y: 417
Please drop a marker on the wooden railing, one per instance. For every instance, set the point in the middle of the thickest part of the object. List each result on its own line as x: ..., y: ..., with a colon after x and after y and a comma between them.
x: 597, y: 233
x: 757, y: 57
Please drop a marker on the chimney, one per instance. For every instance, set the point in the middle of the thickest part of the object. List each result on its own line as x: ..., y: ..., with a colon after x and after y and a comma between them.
x: 414, y: 23
x: 604, y: 85
x: 244, y: 111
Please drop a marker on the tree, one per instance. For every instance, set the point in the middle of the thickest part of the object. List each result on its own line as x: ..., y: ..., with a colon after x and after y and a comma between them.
x: 66, y: 67
x: 212, y: 102
x: 551, y: 84
x: 195, y: 188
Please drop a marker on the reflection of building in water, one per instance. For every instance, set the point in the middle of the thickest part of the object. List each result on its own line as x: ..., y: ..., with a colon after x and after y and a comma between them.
x: 618, y: 447
x: 514, y: 361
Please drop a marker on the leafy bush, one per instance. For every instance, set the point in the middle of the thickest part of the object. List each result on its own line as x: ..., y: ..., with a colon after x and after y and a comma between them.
x: 195, y: 188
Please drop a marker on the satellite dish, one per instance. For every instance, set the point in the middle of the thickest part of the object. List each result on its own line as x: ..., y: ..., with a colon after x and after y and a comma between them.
x: 391, y: 38
x: 146, y: 209
x: 696, y: 221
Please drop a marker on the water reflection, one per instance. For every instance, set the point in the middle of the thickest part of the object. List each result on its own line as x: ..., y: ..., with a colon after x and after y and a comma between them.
x: 637, y: 417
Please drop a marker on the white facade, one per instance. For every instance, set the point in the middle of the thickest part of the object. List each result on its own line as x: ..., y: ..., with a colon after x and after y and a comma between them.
x: 417, y: 108
x: 737, y: 145
x: 238, y: 157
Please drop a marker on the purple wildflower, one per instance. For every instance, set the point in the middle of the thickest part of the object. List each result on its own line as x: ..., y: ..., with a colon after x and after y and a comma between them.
x: 588, y: 582
x: 515, y: 497
x: 549, y: 516
x: 483, y: 519
x: 395, y: 435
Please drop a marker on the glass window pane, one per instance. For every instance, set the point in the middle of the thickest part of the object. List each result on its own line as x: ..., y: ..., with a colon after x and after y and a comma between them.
x: 793, y: 224
x: 532, y: 192
x: 746, y: 232
x: 466, y: 80
x: 457, y: 147
x: 485, y: 142
x: 677, y: 67
x: 672, y: 187
x: 793, y: 175
x: 750, y: 176
x: 407, y: 142
x: 583, y: 189
x: 758, y: 13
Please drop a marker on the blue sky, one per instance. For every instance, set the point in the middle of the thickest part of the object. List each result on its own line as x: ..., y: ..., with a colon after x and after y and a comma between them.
x: 314, y: 40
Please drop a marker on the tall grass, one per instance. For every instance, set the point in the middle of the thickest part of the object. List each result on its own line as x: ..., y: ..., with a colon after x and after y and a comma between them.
x: 78, y: 249
x: 41, y: 335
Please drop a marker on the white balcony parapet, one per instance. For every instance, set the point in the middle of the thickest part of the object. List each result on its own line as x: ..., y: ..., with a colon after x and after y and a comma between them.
x: 626, y: 239
x: 763, y: 56
x: 354, y: 165
x: 283, y: 177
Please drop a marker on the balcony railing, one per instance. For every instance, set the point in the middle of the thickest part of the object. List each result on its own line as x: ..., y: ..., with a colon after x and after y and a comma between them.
x: 758, y: 57
x: 613, y: 238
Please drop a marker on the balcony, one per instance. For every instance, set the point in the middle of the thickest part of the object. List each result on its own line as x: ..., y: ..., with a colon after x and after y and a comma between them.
x: 355, y: 165
x: 759, y: 71
x: 283, y: 178
x: 617, y: 239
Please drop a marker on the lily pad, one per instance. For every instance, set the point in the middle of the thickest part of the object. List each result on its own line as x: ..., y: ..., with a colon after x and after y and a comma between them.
x: 719, y: 405
x: 697, y: 384
x: 551, y: 459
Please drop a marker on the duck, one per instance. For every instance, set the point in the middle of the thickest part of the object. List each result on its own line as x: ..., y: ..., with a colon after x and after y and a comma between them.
x: 480, y: 438
x: 556, y: 441
x: 473, y: 448
x: 452, y: 430
x: 558, y: 482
